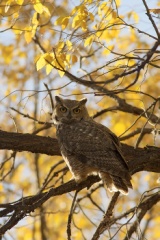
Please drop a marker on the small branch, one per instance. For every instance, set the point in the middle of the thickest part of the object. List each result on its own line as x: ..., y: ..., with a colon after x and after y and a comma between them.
x: 144, y: 206
x: 137, y: 131
x: 70, y: 217
x: 105, y: 223
x: 27, y: 116
x: 24, y: 206
x: 151, y: 19
x: 50, y: 95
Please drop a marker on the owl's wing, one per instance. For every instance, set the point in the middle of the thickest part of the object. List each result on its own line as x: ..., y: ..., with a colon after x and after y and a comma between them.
x: 96, y: 146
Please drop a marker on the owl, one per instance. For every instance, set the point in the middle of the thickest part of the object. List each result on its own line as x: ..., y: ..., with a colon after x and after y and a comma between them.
x: 89, y: 147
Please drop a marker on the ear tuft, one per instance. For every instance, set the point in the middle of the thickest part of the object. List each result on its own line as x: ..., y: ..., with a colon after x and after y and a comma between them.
x: 83, y: 101
x: 58, y: 99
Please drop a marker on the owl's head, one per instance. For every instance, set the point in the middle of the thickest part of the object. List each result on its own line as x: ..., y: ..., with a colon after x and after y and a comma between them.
x: 69, y: 111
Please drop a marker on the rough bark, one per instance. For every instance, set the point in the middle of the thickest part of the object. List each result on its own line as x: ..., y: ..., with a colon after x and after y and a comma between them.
x: 139, y: 159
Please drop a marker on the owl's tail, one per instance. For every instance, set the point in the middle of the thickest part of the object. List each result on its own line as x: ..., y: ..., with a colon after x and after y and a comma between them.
x: 115, y: 183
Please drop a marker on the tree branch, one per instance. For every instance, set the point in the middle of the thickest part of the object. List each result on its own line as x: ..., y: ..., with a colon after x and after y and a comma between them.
x: 26, y: 205
x: 139, y: 159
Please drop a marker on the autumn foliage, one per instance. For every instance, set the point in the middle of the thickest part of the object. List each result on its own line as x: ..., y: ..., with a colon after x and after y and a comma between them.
x: 107, y: 51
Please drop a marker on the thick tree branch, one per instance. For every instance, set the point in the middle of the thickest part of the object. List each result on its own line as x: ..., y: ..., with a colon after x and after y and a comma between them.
x: 139, y: 159
x: 28, y: 142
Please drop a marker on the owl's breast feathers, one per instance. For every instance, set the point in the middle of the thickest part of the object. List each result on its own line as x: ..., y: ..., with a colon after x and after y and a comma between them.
x: 94, y: 145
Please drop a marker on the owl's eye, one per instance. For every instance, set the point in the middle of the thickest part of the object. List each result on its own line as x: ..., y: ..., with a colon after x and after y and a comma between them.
x: 63, y: 109
x: 76, y: 110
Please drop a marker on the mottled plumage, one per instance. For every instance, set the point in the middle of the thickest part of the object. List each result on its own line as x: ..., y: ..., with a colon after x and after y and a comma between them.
x: 89, y: 147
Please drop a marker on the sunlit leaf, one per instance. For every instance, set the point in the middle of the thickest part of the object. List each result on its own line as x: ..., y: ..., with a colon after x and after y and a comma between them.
x: 34, y: 19
x: 20, y: 2
x: 136, y: 17
x: 61, y: 73
x: 62, y: 21
x: 49, y: 57
x: 76, y: 21
x: 108, y: 50
x: 74, y: 59
x: 60, y: 46
x: 16, y: 15
x: 49, y: 68
x: 103, y: 8
x: 38, y: 7
x: 88, y: 41
x: 41, y: 63
x: 46, y: 10
x: 69, y: 44
x: 68, y: 58
x: 17, y: 31
x: 91, y: 17
x: 28, y: 34
x: 7, y: 6
x: 114, y: 14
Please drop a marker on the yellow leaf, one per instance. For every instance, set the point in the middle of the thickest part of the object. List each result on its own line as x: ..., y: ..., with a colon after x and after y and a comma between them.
x: 69, y: 44
x: 91, y: 17
x: 114, y: 14
x: 7, y: 6
x: 88, y: 41
x: 17, y: 31
x: 68, y: 58
x: 1, y: 187
x: 58, y: 21
x: 49, y: 57
x: 49, y: 68
x: 46, y: 10
x: 65, y: 22
x: 102, y: 8
x: 76, y: 21
x: 15, y: 15
x: 82, y: 9
x: 28, y: 34
x: 20, y: 2
x: 108, y: 50
x: 84, y: 25
x: 61, y: 73
x: 40, y: 63
x: 80, y: 21
x: 34, y: 19
x: 38, y: 7
x: 118, y: 2
x: 74, y: 10
x: 60, y: 46
x: 60, y: 61
x: 120, y: 127
x: 136, y: 17
x: 74, y: 59
x: 62, y: 21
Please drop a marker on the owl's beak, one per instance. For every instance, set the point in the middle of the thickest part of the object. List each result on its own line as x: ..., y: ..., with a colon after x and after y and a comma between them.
x: 69, y: 115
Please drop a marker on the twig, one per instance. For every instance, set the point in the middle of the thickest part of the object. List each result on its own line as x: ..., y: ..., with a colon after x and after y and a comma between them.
x: 50, y: 95
x: 26, y: 205
x: 27, y: 116
x: 151, y: 19
x: 70, y: 216
x: 145, y: 206
x: 105, y: 223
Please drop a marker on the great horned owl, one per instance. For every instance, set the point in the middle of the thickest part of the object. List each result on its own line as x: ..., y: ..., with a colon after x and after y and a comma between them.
x: 89, y: 147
